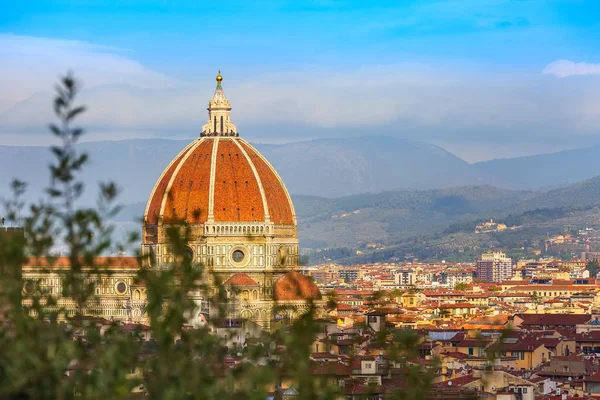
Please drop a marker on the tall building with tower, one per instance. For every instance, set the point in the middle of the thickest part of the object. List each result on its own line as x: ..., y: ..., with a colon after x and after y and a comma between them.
x: 494, y: 267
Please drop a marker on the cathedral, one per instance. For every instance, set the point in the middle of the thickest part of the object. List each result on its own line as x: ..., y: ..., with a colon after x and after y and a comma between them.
x: 242, y: 226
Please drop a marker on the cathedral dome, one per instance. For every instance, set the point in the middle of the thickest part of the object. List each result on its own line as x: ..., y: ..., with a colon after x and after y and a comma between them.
x: 294, y: 286
x: 219, y: 178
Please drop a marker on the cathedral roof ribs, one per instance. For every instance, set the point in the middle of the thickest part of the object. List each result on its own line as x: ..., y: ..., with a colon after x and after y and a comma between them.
x: 218, y: 180
x: 241, y: 216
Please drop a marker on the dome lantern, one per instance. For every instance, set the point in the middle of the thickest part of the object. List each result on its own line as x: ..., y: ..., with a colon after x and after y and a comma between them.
x: 219, y: 114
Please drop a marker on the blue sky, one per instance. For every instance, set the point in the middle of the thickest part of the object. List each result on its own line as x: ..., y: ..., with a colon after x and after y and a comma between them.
x: 483, y: 78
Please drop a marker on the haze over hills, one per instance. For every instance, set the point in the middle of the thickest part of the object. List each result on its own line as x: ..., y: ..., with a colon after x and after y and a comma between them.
x: 426, y: 222
x: 416, y: 189
x: 341, y: 167
x: 323, y: 167
x: 578, y: 195
x: 392, y: 216
x: 441, y: 223
x: 541, y: 170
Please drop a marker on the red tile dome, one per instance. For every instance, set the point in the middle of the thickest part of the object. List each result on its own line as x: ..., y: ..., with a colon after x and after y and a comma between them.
x: 295, y: 286
x: 240, y: 279
x: 219, y: 179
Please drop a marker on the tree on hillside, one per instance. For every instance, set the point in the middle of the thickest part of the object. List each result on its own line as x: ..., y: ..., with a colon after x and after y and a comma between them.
x: 593, y: 267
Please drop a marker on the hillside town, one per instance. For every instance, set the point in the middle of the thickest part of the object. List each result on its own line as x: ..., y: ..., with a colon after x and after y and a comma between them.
x: 530, y: 331
x: 527, y: 331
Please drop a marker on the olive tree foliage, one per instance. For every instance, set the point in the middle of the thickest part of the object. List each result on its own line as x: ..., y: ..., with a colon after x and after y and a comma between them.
x: 38, y: 357
x: 49, y: 350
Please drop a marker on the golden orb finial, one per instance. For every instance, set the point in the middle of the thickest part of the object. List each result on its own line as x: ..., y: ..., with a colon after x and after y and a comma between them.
x: 219, y: 77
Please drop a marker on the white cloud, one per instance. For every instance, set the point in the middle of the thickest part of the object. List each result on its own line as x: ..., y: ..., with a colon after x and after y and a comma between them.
x: 424, y: 102
x: 565, y: 68
x: 31, y: 64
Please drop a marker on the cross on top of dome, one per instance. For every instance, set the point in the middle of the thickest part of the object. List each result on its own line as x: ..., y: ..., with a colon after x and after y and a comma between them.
x: 219, y: 110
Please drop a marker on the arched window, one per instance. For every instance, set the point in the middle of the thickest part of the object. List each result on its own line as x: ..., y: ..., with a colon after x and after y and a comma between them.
x: 215, y: 124
x: 189, y: 253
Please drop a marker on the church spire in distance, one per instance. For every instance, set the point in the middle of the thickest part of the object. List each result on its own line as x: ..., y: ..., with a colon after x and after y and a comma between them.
x: 219, y: 110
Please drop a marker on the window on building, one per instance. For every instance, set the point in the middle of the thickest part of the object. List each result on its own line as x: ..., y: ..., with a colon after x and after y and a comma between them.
x: 470, y: 351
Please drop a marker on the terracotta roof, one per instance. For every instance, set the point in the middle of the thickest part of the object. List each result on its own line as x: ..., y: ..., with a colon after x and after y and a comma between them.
x: 57, y: 262
x: 280, y: 207
x: 239, y: 173
x: 240, y: 279
x: 330, y: 368
x: 295, y: 286
x: 538, y: 379
x: 358, y: 387
x: 186, y: 197
x: 474, y: 343
x: 457, y: 305
x: 457, y: 355
x: 593, y: 378
x: 587, y: 336
x: 457, y: 382
x: 552, y: 288
x: 155, y: 202
x: 469, y: 326
x: 499, y: 320
x: 550, y: 343
x: 323, y: 355
x: 237, y: 195
x: 529, y: 344
x: 554, y: 319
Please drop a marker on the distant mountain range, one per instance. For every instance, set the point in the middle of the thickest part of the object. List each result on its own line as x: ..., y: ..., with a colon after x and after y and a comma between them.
x: 568, y: 166
x: 394, y: 216
x: 441, y: 223
x: 324, y: 167
x: 417, y: 189
x: 427, y: 221
x: 342, y: 167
